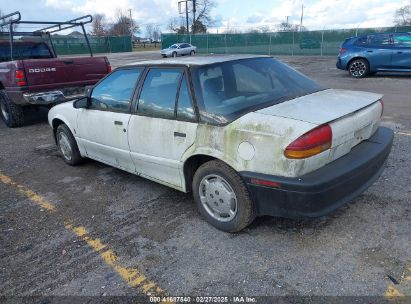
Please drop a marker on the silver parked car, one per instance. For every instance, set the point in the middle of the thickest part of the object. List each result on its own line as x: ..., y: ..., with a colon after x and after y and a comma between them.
x: 179, y: 49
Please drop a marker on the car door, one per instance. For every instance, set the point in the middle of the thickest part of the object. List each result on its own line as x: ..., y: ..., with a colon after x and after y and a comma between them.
x: 401, y: 57
x: 186, y: 49
x: 164, y: 126
x: 102, y: 127
x: 379, y: 51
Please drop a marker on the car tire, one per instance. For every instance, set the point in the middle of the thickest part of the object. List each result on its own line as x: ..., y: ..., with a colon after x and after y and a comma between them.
x: 67, y: 145
x: 192, y: 53
x: 222, y: 197
x: 358, y: 68
x: 174, y: 54
x: 11, y: 113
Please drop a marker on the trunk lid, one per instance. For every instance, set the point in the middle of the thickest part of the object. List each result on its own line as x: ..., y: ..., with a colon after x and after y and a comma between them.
x: 352, y: 115
x: 55, y: 73
x: 322, y: 107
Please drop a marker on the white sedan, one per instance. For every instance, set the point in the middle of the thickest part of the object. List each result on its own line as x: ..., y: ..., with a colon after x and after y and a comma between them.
x: 248, y: 135
x: 179, y: 49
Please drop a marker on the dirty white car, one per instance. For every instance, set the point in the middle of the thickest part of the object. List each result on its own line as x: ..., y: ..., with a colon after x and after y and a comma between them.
x: 248, y: 135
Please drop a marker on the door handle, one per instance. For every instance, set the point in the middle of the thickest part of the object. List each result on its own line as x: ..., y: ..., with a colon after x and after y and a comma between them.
x: 370, y: 51
x: 399, y: 52
x: 118, y: 123
x: 68, y: 61
x: 178, y: 134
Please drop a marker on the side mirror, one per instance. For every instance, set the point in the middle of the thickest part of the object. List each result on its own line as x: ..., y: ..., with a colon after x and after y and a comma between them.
x: 81, y: 103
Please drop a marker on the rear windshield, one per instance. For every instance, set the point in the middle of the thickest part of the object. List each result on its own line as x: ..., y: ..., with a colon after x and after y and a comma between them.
x: 24, y: 51
x: 228, y: 90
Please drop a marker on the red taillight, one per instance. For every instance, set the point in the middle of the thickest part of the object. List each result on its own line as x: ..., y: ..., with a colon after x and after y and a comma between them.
x: 20, y: 78
x: 343, y: 50
x: 382, y: 106
x: 311, y: 143
x: 109, y: 69
x: 265, y: 183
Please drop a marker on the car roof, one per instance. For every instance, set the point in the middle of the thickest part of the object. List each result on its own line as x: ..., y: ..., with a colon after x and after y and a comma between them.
x: 196, y: 60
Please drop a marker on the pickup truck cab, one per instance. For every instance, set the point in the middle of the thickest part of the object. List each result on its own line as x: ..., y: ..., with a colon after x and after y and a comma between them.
x: 36, y: 77
x: 248, y: 135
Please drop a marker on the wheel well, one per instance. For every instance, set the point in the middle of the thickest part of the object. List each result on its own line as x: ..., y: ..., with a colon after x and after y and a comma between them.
x: 1, y: 86
x: 56, y: 122
x: 349, y: 62
x: 191, y: 165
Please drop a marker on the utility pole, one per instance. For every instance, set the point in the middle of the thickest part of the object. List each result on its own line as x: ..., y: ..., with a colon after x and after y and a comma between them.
x: 188, y: 30
x: 302, y: 15
x: 131, y: 25
x: 194, y: 15
x: 186, y: 12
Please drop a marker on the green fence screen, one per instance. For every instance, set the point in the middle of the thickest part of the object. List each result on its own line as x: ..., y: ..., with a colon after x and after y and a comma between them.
x: 325, y: 42
x: 77, y: 45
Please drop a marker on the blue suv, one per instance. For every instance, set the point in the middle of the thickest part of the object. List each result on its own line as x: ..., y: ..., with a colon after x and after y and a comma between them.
x: 363, y: 55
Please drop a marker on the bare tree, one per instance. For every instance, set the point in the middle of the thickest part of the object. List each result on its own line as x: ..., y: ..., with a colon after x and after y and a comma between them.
x: 99, y: 25
x: 156, y: 33
x: 203, y: 14
x: 124, y: 25
x: 149, y: 31
x: 402, y: 16
x: 264, y: 29
x: 177, y: 25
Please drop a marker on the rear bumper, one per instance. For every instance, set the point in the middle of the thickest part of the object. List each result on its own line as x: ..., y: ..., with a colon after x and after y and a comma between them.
x: 340, y: 65
x: 47, y: 97
x: 326, y: 189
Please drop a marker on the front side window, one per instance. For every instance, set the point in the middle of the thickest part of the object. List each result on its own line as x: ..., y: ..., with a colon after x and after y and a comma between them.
x: 158, y: 96
x: 402, y: 40
x: 225, y: 91
x: 115, y: 92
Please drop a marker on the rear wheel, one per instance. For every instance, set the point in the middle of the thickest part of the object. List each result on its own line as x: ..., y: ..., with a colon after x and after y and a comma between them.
x: 222, y: 197
x: 192, y: 53
x: 11, y: 113
x: 359, y: 68
x: 67, y: 145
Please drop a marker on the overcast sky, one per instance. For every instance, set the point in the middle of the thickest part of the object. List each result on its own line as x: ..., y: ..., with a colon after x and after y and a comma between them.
x: 239, y: 14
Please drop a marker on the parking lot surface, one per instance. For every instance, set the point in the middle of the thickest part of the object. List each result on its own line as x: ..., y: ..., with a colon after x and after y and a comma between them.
x: 95, y: 230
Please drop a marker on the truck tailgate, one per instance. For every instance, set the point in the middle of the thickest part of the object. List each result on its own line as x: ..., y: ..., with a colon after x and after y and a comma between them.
x: 43, y: 74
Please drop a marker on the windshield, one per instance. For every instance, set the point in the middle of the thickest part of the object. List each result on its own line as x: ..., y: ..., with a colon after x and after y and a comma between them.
x: 25, y: 51
x: 228, y: 90
x: 174, y: 46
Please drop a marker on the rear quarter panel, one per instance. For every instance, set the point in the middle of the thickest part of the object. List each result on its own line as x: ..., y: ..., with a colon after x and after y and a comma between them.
x: 268, y: 135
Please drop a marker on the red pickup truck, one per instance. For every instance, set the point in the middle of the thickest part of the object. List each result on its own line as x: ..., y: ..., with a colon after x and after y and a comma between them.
x: 36, y: 77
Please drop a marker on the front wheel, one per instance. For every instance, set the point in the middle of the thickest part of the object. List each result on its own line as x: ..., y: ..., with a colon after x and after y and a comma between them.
x: 222, y: 197
x: 67, y: 145
x: 358, y: 68
x: 174, y: 54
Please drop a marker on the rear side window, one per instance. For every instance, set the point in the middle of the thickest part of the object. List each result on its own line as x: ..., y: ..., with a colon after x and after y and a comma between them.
x: 115, y: 91
x: 361, y: 41
x: 158, y: 95
x: 402, y: 40
x: 185, y: 109
x: 382, y: 40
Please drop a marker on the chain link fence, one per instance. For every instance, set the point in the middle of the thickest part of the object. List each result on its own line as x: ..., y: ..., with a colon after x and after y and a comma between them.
x: 320, y: 43
x: 65, y: 45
